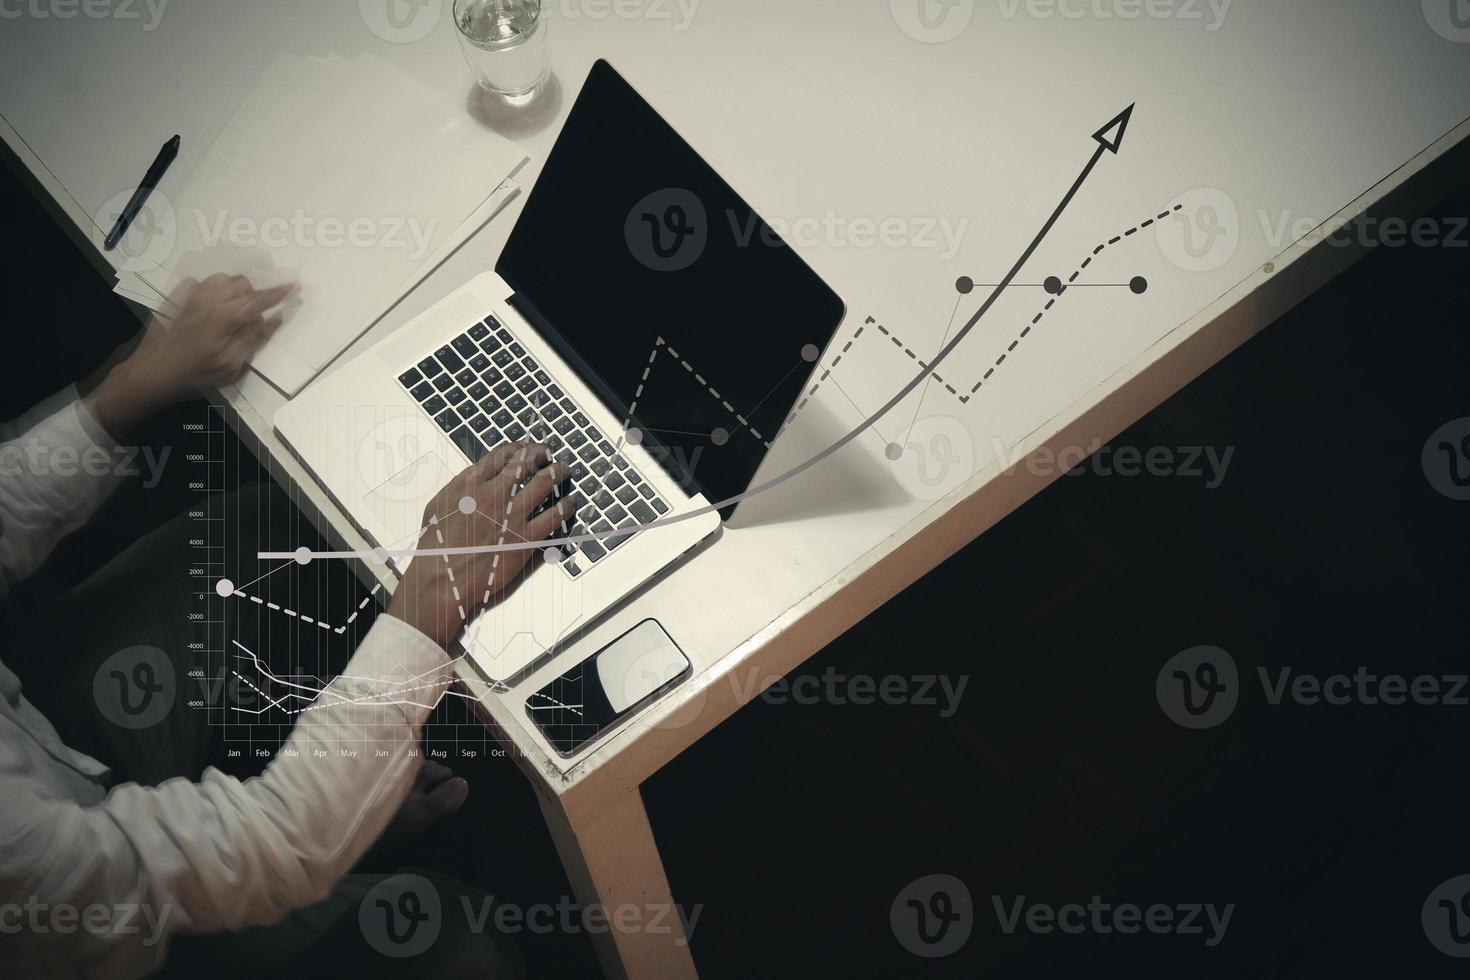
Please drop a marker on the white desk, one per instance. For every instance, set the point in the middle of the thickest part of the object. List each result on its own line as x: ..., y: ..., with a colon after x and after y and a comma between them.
x: 839, y: 120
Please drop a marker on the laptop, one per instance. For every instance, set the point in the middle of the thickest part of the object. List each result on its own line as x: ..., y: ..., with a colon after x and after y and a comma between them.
x: 642, y: 321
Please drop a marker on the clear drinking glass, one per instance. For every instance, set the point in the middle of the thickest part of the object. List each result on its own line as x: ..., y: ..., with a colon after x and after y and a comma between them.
x: 504, y: 42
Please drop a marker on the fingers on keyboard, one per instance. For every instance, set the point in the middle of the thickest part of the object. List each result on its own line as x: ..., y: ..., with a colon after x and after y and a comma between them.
x: 505, y: 413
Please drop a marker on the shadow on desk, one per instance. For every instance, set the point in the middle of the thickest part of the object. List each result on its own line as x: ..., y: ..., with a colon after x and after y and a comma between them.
x: 849, y: 482
x: 515, y: 123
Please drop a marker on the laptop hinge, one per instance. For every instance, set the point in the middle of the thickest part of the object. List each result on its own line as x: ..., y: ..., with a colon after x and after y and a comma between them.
x: 674, y: 464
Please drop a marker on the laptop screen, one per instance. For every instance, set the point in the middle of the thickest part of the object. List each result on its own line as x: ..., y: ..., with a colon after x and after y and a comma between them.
x: 657, y: 282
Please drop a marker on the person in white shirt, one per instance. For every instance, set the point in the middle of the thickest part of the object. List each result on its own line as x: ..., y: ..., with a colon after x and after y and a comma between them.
x: 214, y: 854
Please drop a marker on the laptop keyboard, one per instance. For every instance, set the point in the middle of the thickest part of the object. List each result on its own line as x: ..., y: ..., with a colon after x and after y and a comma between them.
x: 484, y: 390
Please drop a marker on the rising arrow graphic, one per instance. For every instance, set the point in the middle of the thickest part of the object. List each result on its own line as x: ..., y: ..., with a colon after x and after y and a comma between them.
x: 1109, y: 140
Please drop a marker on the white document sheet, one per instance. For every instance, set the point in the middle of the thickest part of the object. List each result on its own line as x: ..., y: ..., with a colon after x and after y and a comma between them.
x: 349, y: 177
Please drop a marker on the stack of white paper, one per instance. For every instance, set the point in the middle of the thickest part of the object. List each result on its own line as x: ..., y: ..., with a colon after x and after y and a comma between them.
x: 347, y: 176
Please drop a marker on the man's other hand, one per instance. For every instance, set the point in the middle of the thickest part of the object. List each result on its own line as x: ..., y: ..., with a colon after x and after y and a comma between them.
x: 219, y: 326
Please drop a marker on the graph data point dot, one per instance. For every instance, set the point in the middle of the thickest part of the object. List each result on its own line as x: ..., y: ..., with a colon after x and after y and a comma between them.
x: 720, y: 436
x: 894, y: 452
x: 551, y: 556
x: 468, y: 505
x: 965, y: 285
x: 1053, y: 285
x: 810, y: 353
x: 1139, y: 285
x: 303, y: 555
x: 224, y: 587
x: 635, y: 437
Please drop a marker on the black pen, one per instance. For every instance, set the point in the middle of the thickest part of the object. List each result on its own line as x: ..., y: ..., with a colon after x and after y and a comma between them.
x: 166, y: 157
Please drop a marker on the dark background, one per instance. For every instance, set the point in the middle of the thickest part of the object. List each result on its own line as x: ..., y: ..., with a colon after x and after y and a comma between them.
x: 1059, y: 778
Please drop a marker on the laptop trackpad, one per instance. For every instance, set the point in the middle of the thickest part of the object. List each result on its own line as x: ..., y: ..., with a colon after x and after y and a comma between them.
x: 398, y: 503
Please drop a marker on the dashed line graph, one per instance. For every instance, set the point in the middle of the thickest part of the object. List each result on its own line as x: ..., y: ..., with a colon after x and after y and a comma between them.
x: 302, y: 617
x: 721, y: 436
x: 1053, y: 286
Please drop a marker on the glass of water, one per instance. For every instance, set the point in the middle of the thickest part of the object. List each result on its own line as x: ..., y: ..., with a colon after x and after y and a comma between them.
x: 504, y: 42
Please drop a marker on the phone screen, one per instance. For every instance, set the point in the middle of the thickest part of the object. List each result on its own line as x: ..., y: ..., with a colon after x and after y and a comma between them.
x: 608, y: 687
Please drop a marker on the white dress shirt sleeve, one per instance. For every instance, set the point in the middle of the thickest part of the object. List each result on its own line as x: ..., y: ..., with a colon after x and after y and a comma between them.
x: 52, y: 480
x: 221, y: 854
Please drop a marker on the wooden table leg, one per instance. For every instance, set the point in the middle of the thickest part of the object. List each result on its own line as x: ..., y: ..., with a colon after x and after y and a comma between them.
x: 608, y: 850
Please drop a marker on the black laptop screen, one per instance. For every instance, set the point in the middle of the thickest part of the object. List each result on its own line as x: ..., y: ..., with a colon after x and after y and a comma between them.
x: 628, y: 239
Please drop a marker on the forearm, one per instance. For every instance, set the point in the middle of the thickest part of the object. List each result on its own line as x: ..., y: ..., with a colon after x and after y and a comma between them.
x: 126, y: 398
x: 52, y: 479
x: 282, y: 841
x: 225, y: 855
